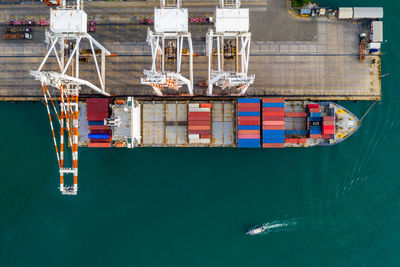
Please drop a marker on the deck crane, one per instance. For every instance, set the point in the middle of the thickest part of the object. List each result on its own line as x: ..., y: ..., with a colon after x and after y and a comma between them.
x: 231, y: 35
x: 170, y: 30
x: 60, y: 69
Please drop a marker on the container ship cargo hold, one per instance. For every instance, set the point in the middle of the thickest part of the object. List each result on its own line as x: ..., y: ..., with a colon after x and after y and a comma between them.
x: 242, y: 122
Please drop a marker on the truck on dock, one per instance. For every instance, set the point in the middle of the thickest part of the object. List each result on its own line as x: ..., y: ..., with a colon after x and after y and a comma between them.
x: 17, y: 36
x: 18, y: 30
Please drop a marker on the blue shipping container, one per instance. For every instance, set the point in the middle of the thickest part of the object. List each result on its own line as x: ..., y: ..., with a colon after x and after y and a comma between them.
x: 244, y: 114
x: 96, y: 122
x: 315, y: 114
x: 296, y: 131
x: 273, y: 141
x: 248, y: 100
x: 249, y: 127
x: 274, y: 132
x: 249, y: 143
x: 315, y: 131
x: 99, y: 136
x: 273, y: 105
x: 317, y: 127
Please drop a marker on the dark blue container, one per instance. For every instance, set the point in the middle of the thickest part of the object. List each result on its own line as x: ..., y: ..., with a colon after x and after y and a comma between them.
x: 315, y: 114
x: 99, y: 136
x: 248, y: 113
x: 274, y: 132
x: 96, y: 122
x: 249, y: 127
x: 270, y: 140
x: 273, y: 105
x: 248, y: 100
x: 296, y: 131
x: 314, y: 118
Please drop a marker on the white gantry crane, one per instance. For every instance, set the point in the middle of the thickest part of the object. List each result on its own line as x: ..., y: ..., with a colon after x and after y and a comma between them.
x: 60, y: 69
x: 232, y: 38
x: 167, y: 44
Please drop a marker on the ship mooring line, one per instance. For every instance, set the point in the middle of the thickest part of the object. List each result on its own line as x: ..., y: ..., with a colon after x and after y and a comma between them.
x: 365, y: 114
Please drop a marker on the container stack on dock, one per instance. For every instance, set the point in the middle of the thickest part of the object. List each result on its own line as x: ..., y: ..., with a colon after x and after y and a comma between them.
x: 97, y: 111
x: 248, y: 122
x: 199, y: 121
x: 273, y: 122
x: 314, y: 121
x: 328, y: 126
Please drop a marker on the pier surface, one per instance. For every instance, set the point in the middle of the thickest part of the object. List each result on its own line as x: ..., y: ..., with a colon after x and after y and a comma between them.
x: 296, y: 58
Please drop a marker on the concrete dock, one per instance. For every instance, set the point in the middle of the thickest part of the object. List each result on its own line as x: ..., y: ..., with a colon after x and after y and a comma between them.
x: 296, y: 58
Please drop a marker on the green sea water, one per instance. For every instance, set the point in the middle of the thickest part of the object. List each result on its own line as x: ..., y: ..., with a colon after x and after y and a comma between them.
x: 337, y: 206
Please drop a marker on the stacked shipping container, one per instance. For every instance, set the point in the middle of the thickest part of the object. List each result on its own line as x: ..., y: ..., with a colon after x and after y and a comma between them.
x: 314, y: 121
x: 97, y: 110
x: 199, y: 120
x: 273, y: 122
x: 248, y: 122
x: 328, y: 126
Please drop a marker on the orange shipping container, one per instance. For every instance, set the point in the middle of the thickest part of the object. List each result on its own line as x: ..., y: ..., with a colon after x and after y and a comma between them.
x: 273, y: 100
x: 240, y: 132
x: 205, y: 105
x: 200, y: 127
x: 273, y: 123
x: 270, y: 114
x: 273, y: 127
x: 205, y: 136
x: 273, y: 145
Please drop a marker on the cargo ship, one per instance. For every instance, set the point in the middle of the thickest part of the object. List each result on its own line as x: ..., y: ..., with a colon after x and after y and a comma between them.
x: 242, y: 122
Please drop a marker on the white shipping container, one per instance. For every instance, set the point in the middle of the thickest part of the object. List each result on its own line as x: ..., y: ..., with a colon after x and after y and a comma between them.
x: 199, y: 109
x: 345, y: 12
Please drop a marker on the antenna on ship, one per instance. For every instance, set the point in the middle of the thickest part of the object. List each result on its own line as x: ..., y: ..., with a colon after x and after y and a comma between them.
x: 171, y: 28
x: 232, y: 38
x: 68, y: 30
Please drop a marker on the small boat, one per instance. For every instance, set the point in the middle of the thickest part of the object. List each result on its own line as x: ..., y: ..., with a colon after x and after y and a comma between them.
x: 257, y: 230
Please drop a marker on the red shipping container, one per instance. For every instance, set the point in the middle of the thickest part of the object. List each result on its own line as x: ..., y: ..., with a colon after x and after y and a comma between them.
x: 291, y: 140
x: 97, y: 109
x: 328, y: 127
x: 199, y: 132
x: 273, y: 127
x: 197, y: 123
x: 98, y: 127
x: 328, y: 123
x: 315, y: 136
x: 273, y: 123
x: 249, y: 105
x: 199, y: 118
x: 296, y: 114
x: 273, y: 100
x: 313, y: 105
x: 274, y: 118
x: 326, y: 136
x: 249, y: 109
x: 205, y: 105
x: 328, y: 118
x: 201, y: 127
x: 328, y: 131
x: 249, y: 136
x: 267, y: 114
x: 205, y: 136
x: 240, y: 132
x: 315, y: 110
x: 273, y: 145
x: 244, y: 122
x: 99, y: 144
x: 273, y: 109
x: 302, y: 140
x: 249, y: 118
x: 199, y: 113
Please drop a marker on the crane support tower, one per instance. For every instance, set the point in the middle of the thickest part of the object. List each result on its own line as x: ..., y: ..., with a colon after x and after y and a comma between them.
x: 167, y: 44
x: 232, y: 39
x: 60, y: 69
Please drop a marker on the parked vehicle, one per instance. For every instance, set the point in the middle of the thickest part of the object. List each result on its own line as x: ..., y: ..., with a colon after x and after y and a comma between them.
x: 17, y: 36
x: 42, y: 22
x: 92, y: 23
x: 92, y: 29
x: 18, y: 30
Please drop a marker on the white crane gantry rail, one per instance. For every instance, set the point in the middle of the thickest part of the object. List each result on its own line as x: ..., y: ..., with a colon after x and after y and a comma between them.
x: 68, y: 30
x: 170, y: 25
x: 231, y: 24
